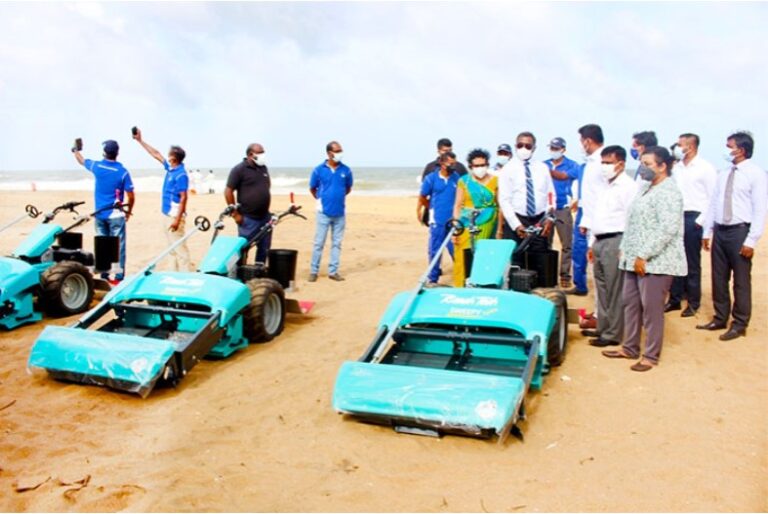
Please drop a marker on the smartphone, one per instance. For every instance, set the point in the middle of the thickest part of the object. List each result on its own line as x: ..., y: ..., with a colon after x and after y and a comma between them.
x: 134, y: 130
x: 79, y: 144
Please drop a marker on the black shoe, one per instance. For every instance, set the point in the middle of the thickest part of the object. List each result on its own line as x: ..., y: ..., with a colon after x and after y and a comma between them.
x: 577, y: 292
x: 733, y: 333
x: 688, y: 312
x: 602, y: 343
x: 712, y: 325
x: 336, y: 277
x: 672, y: 307
x: 590, y: 333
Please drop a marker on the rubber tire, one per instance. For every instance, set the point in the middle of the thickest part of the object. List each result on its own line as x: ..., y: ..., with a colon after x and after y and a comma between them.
x: 255, y: 327
x: 52, y: 281
x: 556, y: 354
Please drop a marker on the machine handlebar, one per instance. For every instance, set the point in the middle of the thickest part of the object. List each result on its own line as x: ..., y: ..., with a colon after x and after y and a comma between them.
x: 32, y: 211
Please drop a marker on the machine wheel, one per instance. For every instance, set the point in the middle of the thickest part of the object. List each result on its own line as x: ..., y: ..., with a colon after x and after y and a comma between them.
x: 558, y: 339
x: 67, y: 288
x: 264, y: 318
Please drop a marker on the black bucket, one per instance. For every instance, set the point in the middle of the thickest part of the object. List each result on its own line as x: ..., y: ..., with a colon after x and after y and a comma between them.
x: 282, y: 266
x: 545, y: 265
x: 70, y: 240
x: 107, y: 250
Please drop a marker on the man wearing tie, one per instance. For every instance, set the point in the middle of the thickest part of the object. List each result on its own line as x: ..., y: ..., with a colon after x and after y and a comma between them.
x: 734, y: 222
x: 526, y: 193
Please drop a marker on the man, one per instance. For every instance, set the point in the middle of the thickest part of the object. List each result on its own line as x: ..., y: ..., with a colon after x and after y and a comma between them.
x: 210, y: 180
x: 641, y: 141
x: 503, y: 155
x: 440, y: 187
x: 563, y: 172
x: 605, y: 224
x: 526, y: 194
x: 251, y: 180
x: 174, y: 199
x: 113, y: 183
x: 330, y: 183
x: 444, y: 145
x: 736, y: 217
x: 696, y: 179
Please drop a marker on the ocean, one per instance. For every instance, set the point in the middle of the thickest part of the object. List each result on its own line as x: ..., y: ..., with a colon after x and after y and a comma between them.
x: 368, y: 181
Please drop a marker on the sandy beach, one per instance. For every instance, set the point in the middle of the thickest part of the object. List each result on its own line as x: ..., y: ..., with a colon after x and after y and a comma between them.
x: 256, y: 432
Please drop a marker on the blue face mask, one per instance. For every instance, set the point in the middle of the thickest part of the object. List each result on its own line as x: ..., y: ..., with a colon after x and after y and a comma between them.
x: 634, y: 153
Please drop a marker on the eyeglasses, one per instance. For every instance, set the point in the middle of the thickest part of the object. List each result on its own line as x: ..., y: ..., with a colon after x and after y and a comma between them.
x: 527, y: 146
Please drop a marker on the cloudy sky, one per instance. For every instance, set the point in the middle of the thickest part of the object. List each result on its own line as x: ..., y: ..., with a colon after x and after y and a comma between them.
x: 386, y: 79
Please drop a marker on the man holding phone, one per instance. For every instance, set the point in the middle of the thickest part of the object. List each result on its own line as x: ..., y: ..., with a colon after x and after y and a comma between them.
x: 174, y: 198
x: 113, y: 182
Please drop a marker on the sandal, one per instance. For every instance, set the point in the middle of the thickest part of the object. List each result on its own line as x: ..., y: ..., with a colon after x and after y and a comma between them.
x: 617, y: 354
x: 640, y: 366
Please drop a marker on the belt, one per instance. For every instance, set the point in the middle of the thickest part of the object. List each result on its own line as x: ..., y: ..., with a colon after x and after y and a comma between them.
x: 534, y: 219
x: 731, y: 227
x: 608, y: 235
x: 691, y: 213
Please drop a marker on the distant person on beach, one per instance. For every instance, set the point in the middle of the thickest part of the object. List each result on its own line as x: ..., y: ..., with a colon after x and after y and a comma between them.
x: 113, y: 183
x: 440, y: 187
x: 641, y: 141
x: 696, y: 179
x: 734, y: 223
x: 174, y: 199
x: 209, y: 180
x: 443, y: 145
x: 330, y: 183
x: 251, y: 181
x: 564, y: 172
x: 477, y: 202
x: 503, y: 155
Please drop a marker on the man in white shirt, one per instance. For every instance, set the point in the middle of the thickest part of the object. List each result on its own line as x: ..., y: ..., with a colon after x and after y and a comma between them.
x: 736, y: 217
x: 526, y: 194
x: 696, y: 179
x: 605, y: 223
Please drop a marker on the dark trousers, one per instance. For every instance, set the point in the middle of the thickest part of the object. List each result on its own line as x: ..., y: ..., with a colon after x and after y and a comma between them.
x: 249, y: 228
x: 726, y: 244
x: 579, y: 254
x: 690, y: 286
x: 564, y: 229
x: 539, y: 243
x: 644, y: 308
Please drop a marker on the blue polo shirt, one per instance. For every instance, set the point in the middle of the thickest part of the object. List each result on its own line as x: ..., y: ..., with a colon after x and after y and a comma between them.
x: 176, y: 182
x: 441, y: 192
x: 331, y: 187
x: 112, y: 181
x: 563, y: 187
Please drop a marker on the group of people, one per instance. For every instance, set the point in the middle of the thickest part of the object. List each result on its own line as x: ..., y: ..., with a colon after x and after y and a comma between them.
x: 247, y: 191
x: 642, y: 234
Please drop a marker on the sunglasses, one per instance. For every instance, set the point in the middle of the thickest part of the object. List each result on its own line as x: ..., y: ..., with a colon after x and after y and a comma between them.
x: 527, y: 146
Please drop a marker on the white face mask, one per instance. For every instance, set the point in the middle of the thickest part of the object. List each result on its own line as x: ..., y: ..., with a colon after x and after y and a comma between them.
x: 728, y: 156
x: 260, y: 159
x: 524, y: 154
x: 679, y: 153
x: 556, y: 155
x: 480, y: 172
x: 337, y: 156
x: 502, y: 159
x: 609, y: 171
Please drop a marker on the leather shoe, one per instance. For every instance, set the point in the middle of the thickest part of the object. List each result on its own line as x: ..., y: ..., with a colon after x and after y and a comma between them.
x: 602, y: 343
x: 712, y: 325
x: 733, y: 333
x: 590, y: 333
x: 688, y: 312
x: 672, y: 307
x: 576, y: 292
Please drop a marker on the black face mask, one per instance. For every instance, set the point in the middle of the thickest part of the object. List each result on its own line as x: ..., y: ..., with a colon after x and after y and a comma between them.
x: 645, y: 173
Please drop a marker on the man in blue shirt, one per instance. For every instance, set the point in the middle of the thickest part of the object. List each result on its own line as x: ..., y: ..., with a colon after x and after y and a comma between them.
x: 563, y: 172
x: 330, y: 183
x: 438, y: 194
x: 113, y: 183
x: 174, y: 199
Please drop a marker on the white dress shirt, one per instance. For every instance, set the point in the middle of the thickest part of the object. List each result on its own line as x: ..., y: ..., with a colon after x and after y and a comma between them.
x: 593, y: 181
x: 609, y: 214
x: 696, y: 181
x: 750, y: 188
x: 513, y: 193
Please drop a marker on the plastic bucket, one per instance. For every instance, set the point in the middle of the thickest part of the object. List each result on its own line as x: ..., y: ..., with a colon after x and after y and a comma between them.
x: 107, y: 250
x: 282, y: 266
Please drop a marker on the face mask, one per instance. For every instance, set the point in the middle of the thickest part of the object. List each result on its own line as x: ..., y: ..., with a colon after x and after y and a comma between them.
x: 260, y: 159
x: 337, y: 156
x: 634, y: 153
x: 480, y: 172
x: 609, y: 171
x: 524, y: 154
x: 679, y: 153
x: 502, y: 159
x: 646, y: 173
x: 556, y: 155
x: 728, y: 156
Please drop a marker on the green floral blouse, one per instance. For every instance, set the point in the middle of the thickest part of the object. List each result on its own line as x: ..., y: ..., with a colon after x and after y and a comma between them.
x: 654, y: 230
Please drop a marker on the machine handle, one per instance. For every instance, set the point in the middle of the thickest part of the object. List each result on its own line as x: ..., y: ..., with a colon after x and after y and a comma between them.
x: 456, y: 225
x: 32, y: 211
x: 202, y: 223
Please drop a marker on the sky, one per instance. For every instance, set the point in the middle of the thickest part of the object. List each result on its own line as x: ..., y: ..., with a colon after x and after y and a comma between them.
x: 386, y: 79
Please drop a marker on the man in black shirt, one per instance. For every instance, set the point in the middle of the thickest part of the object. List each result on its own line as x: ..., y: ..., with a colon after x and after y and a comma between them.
x: 443, y: 145
x: 251, y: 180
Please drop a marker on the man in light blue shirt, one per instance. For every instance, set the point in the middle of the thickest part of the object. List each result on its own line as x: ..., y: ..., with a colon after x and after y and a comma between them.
x: 330, y: 183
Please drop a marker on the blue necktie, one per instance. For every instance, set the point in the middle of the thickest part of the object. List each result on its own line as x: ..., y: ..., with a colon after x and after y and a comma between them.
x: 530, y: 200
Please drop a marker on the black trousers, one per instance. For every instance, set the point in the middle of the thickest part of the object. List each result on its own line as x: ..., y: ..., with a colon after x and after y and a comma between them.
x: 690, y: 286
x: 726, y: 244
x: 538, y: 244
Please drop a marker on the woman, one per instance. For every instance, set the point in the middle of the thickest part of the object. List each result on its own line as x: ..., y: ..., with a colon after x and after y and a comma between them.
x: 476, y: 195
x: 651, y: 255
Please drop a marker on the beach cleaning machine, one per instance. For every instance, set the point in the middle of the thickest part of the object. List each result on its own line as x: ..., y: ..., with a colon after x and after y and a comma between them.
x: 156, y: 326
x: 459, y: 360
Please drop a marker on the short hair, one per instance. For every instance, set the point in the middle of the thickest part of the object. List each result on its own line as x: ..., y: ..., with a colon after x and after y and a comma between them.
x: 329, y: 146
x: 249, y: 148
x: 111, y: 155
x: 693, y: 137
x: 593, y: 132
x: 178, y: 153
x: 646, y: 138
x: 478, y: 152
x: 743, y: 140
x: 445, y: 156
x: 527, y: 134
x: 443, y: 142
x: 661, y: 155
x: 615, y: 150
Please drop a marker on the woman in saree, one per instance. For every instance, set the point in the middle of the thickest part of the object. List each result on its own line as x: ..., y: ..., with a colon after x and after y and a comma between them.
x: 476, y: 196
